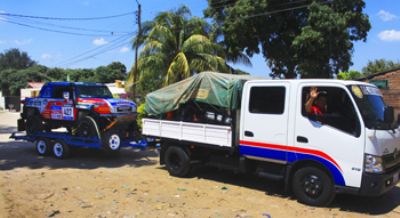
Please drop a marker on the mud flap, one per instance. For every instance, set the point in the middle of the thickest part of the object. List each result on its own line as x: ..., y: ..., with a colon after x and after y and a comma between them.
x: 21, y: 125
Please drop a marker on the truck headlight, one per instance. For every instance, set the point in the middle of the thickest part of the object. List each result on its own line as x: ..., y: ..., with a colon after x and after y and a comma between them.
x: 373, y: 164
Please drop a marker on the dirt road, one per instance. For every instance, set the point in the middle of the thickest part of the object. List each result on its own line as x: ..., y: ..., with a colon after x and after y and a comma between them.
x: 90, y: 184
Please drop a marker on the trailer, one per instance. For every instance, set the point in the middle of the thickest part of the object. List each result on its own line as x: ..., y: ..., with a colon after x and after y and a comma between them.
x: 60, y: 143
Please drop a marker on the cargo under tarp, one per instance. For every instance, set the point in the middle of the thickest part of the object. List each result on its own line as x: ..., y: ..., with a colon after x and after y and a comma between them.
x: 207, y: 87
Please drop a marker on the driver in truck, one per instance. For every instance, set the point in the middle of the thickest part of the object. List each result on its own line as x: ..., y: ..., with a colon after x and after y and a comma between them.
x: 316, y: 105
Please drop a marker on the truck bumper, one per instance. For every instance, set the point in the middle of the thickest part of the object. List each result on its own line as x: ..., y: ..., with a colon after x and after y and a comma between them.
x: 379, y: 184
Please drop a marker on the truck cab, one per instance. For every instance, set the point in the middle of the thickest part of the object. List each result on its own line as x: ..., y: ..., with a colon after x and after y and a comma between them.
x: 351, y: 146
x: 355, y: 141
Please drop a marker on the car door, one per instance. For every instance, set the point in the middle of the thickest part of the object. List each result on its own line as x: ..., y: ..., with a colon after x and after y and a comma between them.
x: 265, y: 120
x: 336, y: 141
x: 62, y: 104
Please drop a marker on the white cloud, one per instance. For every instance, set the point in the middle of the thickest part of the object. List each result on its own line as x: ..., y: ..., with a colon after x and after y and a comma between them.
x: 389, y: 35
x: 23, y: 42
x: 386, y: 16
x: 46, y: 56
x: 124, y: 49
x: 99, y: 41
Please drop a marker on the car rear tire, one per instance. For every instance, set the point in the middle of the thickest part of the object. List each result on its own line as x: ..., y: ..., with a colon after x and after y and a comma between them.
x: 43, y: 146
x: 61, y: 150
x: 313, y: 186
x: 177, y: 161
x: 33, y: 125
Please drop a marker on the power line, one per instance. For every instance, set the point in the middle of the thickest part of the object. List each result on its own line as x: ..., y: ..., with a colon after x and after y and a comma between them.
x: 275, y: 12
x: 71, y: 59
x: 67, y: 18
x: 101, y: 50
x: 28, y: 20
x: 98, y: 53
x: 53, y: 30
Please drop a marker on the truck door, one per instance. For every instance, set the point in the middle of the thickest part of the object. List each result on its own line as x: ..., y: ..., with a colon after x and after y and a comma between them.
x: 264, y: 120
x: 62, y: 106
x: 335, y: 137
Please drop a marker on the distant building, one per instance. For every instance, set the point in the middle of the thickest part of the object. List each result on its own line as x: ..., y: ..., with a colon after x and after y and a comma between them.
x: 389, y: 83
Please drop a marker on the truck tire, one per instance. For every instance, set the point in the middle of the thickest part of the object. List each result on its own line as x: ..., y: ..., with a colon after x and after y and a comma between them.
x: 43, y: 146
x: 177, y: 161
x: 313, y: 186
x: 33, y: 125
x: 112, y: 141
x: 61, y: 150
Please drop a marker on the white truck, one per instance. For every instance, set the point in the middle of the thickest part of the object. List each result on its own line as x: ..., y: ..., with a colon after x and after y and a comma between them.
x: 354, y: 147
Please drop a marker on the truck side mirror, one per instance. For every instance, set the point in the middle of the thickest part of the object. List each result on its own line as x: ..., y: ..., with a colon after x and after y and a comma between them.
x: 66, y: 95
x: 389, y: 114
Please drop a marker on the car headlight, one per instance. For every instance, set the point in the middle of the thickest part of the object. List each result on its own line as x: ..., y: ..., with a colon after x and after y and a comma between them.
x: 373, y: 164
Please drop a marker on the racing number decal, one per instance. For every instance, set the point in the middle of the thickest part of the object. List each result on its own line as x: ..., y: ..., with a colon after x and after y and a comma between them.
x: 68, y: 112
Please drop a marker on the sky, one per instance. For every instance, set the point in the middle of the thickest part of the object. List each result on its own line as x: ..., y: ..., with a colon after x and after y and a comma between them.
x: 109, y: 40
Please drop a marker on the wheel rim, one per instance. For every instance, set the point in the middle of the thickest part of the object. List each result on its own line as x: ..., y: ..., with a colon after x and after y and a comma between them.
x: 312, y: 186
x: 175, y: 161
x: 41, y: 146
x: 58, y: 149
x: 114, y: 142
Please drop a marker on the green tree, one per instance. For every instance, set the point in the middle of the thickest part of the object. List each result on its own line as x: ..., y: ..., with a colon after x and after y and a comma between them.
x: 309, y: 38
x: 350, y: 75
x: 379, y: 65
x: 15, y: 59
x: 176, y: 45
x: 110, y: 73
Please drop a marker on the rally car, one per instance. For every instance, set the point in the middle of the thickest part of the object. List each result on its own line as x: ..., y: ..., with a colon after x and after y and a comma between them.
x: 85, y: 109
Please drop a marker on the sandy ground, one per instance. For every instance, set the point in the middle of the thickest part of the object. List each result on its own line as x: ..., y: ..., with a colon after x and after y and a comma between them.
x: 133, y: 184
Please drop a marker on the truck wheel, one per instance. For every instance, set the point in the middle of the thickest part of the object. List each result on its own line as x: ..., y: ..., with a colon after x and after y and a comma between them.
x: 313, y: 186
x: 61, y: 150
x: 87, y: 127
x: 33, y: 125
x: 42, y: 146
x: 112, y: 141
x: 177, y: 161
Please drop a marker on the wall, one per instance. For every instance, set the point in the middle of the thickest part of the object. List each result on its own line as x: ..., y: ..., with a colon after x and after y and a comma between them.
x: 392, y: 94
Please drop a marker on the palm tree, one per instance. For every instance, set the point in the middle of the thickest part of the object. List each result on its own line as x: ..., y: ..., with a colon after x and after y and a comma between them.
x: 175, y: 46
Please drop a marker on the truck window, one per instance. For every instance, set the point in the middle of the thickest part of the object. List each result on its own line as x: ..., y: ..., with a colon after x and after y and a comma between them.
x: 336, y: 110
x: 45, y: 92
x: 267, y: 100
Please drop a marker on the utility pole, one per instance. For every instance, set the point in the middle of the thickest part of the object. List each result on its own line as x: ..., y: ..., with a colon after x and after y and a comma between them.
x: 139, y: 32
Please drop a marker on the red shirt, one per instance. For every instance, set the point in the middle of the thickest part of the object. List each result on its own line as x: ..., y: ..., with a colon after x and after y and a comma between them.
x: 316, y: 111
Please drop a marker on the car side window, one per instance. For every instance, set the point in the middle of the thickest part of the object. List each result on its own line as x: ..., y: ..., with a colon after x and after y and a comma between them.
x: 59, y: 90
x: 45, y: 92
x: 267, y: 100
x: 331, y: 106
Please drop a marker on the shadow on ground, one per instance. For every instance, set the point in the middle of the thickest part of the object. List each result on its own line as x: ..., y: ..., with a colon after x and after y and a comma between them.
x: 15, y: 154
x: 357, y: 204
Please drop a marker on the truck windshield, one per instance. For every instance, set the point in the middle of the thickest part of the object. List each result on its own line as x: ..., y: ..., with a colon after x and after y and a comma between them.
x: 371, y: 105
x: 93, y: 92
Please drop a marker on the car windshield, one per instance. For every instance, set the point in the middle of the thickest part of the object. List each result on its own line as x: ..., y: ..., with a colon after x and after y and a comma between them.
x: 371, y: 105
x: 93, y: 92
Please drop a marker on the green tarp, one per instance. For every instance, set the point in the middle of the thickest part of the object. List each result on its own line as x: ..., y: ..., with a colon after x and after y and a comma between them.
x: 208, y: 87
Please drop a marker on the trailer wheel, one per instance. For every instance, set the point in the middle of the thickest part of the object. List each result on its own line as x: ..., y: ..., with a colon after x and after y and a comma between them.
x: 177, y: 161
x: 112, y: 141
x: 61, y: 150
x: 313, y: 186
x: 42, y: 146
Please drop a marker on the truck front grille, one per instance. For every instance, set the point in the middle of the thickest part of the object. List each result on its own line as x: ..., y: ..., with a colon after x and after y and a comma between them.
x: 391, y: 160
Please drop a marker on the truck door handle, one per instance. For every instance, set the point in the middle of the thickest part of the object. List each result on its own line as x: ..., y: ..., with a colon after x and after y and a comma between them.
x: 248, y: 134
x: 302, y: 139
